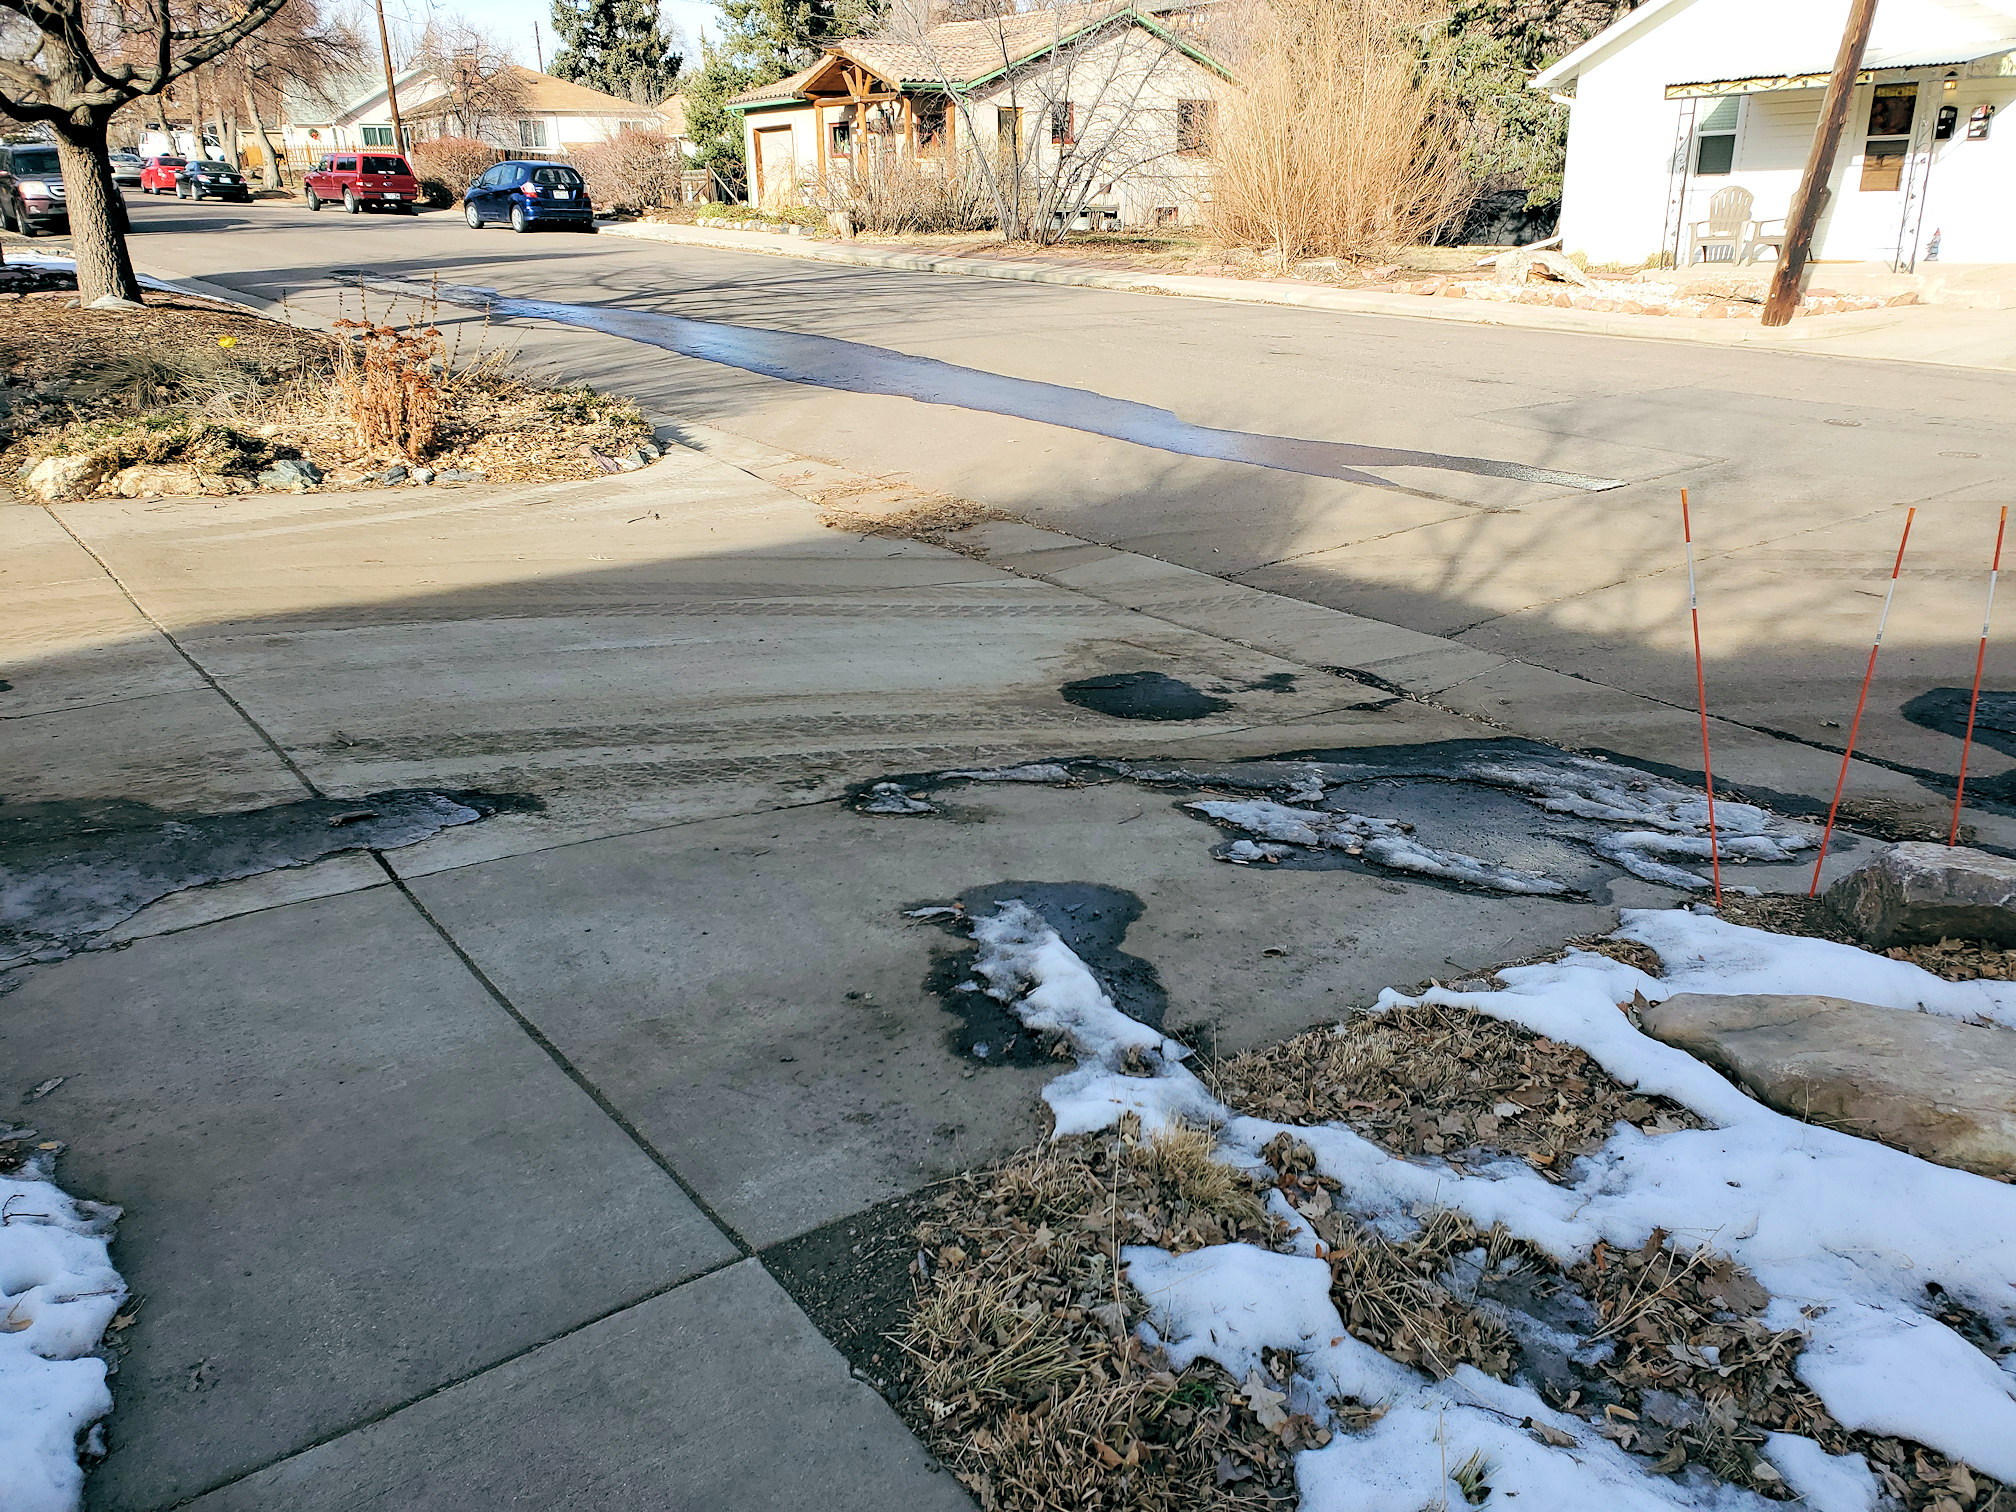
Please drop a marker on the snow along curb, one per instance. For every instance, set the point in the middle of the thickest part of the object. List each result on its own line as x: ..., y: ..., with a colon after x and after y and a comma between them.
x: 1254, y: 291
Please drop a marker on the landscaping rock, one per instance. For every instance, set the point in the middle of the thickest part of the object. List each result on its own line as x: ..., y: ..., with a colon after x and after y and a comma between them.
x: 1920, y: 893
x: 1938, y: 1088
x: 156, y: 479
x: 56, y: 478
x: 114, y: 302
x: 423, y: 475
x: 396, y: 473
x: 295, y: 474
x: 459, y: 475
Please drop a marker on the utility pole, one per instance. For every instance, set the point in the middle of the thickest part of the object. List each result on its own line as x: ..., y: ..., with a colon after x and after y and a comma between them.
x: 1812, y: 193
x: 392, y: 93
x: 539, y: 47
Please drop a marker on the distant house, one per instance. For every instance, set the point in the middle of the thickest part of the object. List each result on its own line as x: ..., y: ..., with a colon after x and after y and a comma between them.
x: 526, y: 112
x: 1001, y: 81
x: 1681, y: 100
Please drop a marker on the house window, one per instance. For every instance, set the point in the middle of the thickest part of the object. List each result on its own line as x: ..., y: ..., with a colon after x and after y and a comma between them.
x: 930, y: 113
x: 1890, y: 115
x: 841, y: 143
x: 1715, y: 137
x: 531, y: 133
x: 1008, y: 126
x: 1194, y: 120
x: 377, y: 136
x: 1063, y: 124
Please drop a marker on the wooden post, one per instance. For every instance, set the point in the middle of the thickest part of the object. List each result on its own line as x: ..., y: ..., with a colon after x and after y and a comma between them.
x: 1812, y: 193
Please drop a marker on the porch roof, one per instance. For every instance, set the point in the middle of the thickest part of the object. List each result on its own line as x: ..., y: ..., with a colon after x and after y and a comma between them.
x: 1877, y: 67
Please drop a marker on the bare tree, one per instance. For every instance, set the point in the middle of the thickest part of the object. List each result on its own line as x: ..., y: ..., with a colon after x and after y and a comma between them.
x: 483, y: 87
x: 70, y: 64
x: 300, y: 48
x: 1083, y: 96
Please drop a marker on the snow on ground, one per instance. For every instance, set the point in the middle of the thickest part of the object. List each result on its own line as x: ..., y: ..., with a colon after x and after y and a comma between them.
x: 1381, y: 840
x: 1845, y: 1233
x: 58, y: 1291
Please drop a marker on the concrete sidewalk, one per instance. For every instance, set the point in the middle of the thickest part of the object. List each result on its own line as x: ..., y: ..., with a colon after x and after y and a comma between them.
x: 1949, y: 337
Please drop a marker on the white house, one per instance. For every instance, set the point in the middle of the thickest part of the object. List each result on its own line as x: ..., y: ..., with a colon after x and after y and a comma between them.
x: 543, y: 114
x: 1125, y: 86
x: 1683, y: 98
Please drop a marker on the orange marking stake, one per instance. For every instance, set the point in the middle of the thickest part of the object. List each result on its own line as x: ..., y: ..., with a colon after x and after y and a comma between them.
x: 1701, y: 694
x: 1868, y: 675
x: 1980, y: 661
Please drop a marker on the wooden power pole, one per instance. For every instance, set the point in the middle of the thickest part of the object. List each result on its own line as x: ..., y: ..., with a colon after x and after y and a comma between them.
x: 392, y: 92
x: 1812, y: 193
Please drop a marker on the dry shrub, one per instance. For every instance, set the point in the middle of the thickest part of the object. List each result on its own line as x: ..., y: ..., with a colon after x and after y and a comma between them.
x: 446, y: 166
x: 390, y: 380
x: 633, y: 170
x: 1428, y: 1079
x: 1025, y: 1373
x: 1342, y: 139
x: 893, y: 192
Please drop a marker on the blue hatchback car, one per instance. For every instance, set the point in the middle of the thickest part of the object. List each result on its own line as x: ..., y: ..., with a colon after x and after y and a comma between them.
x: 529, y: 194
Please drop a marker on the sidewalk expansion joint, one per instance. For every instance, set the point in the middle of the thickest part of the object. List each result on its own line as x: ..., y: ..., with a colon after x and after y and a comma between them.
x: 449, y: 1385
x: 567, y: 1067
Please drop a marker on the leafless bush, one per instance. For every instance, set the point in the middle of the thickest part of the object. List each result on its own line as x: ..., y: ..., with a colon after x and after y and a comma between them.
x: 633, y: 170
x: 390, y: 379
x: 1343, y: 139
x: 897, y: 191
x: 448, y: 165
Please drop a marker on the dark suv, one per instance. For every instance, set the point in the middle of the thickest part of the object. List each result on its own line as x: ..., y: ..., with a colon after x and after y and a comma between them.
x: 32, y: 197
x: 530, y: 194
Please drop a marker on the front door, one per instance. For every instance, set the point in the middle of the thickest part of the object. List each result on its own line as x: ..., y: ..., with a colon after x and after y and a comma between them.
x: 776, y: 166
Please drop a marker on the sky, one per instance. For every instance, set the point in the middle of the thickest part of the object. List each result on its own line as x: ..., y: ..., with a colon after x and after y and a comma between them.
x: 511, y: 21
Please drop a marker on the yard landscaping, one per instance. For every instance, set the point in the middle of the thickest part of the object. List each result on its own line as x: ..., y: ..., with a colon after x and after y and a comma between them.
x: 188, y: 396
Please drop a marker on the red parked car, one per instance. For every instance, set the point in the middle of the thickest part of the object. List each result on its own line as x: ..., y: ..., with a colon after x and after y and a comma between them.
x: 158, y: 177
x: 364, y: 181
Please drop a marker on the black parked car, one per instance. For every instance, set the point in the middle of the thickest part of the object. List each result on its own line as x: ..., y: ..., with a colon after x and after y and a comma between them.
x: 205, y: 179
x: 32, y: 197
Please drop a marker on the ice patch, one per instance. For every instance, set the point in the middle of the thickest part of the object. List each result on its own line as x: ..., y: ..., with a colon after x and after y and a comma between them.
x: 1034, y: 771
x: 893, y: 798
x: 56, y: 1277
x: 1380, y: 840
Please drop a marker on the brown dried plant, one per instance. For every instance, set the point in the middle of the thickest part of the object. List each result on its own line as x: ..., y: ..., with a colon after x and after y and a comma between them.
x: 390, y: 379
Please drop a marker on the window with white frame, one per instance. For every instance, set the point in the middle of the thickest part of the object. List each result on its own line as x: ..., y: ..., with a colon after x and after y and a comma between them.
x: 531, y: 133
x: 1715, y: 137
x: 377, y: 136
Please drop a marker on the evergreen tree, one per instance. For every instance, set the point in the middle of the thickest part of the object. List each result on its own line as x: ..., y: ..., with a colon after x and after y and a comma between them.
x: 616, y: 46
x: 779, y: 37
x: 714, y: 130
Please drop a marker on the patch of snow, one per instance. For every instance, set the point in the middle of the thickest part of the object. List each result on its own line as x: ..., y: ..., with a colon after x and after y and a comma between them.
x: 893, y: 798
x: 56, y: 1278
x: 1843, y: 1232
x: 1380, y: 840
x: 1704, y: 954
x: 1034, y: 771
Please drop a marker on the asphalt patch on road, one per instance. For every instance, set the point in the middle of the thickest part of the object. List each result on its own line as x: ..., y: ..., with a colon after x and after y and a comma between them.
x: 1143, y: 695
x: 1091, y: 918
x: 69, y: 871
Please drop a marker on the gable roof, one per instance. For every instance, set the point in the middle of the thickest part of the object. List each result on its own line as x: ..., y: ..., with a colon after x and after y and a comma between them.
x: 968, y: 53
x: 1906, y: 34
x: 550, y: 96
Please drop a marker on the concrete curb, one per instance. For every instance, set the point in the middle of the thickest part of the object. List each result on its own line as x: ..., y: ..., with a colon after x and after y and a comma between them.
x: 1250, y: 291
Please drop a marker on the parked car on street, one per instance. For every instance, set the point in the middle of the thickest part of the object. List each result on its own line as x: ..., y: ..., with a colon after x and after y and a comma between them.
x: 126, y: 168
x: 364, y: 181
x: 529, y: 194
x: 32, y: 196
x: 157, y: 176
x: 206, y: 179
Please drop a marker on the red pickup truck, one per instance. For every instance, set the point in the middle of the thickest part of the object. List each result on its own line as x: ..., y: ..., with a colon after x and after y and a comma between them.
x: 364, y: 181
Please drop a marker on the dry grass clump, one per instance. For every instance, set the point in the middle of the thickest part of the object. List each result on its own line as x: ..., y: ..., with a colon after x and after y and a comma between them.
x: 1342, y: 138
x: 1026, y: 1376
x: 1424, y: 1079
x: 893, y: 193
x: 391, y: 380
x: 931, y: 519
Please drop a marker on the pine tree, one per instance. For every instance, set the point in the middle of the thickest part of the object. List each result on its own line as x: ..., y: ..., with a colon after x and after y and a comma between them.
x: 779, y: 37
x: 616, y: 46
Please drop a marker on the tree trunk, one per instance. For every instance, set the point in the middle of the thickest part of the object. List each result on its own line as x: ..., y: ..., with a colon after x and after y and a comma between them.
x: 97, y: 230
x: 271, y: 159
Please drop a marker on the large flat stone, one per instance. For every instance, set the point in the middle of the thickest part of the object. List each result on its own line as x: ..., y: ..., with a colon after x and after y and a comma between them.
x: 349, y: 1179
x: 717, y: 1397
x: 1934, y: 1086
x: 1919, y: 893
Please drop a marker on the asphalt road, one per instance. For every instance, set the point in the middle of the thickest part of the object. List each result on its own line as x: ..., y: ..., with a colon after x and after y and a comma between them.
x: 1796, y: 464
